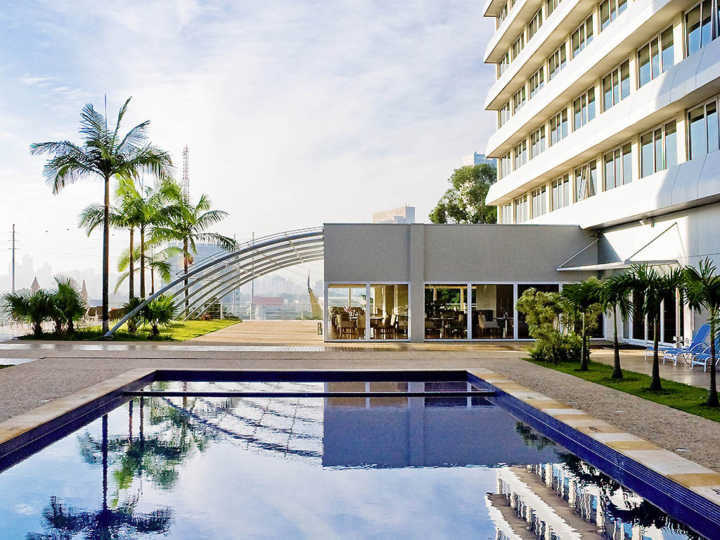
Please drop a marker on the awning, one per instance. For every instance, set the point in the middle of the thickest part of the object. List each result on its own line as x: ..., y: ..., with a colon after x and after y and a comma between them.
x: 619, y: 265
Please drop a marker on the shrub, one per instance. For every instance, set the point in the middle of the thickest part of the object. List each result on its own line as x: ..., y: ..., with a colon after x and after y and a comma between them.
x: 68, y: 306
x: 33, y: 308
x: 132, y: 323
x: 159, y: 312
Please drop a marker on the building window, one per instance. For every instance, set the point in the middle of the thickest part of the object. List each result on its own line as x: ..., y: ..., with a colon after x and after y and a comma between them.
x: 389, y: 311
x: 585, y: 181
x: 561, y: 192
x: 584, y: 109
x: 492, y: 309
x: 558, y: 127
x: 658, y: 149
x: 518, y: 99
x: 537, y: 142
x: 539, y: 201
x: 520, y: 155
x: 504, y: 114
x: 501, y: 16
x: 506, y: 213
x: 346, y: 310
x: 609, y: 9
x: 536, y: 82
x: 701, y: 26
x: 504, y: 166
x: 503, y: 64
x: 616, y: 85
x: 618, y: 167
x: 517, y: 46
x: 535, y: 24
x: 582, y: 37
x: 703, y: 130
x: 446, y: 311
x: 550, y: 6
x: 557, y: 61
x: 522, y: 210
x: 655, y: 57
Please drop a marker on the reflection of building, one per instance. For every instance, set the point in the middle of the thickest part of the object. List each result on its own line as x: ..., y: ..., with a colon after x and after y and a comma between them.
x: 414, y: 431
x: 404, y: 214
x: 551, y: 501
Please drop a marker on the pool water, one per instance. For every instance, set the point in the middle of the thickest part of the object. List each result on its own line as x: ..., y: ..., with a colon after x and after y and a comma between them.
x: 316, y: 467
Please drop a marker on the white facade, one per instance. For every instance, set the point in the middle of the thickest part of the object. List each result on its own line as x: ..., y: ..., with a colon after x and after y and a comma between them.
x: 619, y: 100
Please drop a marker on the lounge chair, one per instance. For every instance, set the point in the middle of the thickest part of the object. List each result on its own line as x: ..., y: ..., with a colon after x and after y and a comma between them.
x: 674, y: 353
x: 704, y: 358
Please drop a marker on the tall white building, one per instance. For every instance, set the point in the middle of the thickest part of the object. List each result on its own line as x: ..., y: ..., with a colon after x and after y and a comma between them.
x: 607, y: 118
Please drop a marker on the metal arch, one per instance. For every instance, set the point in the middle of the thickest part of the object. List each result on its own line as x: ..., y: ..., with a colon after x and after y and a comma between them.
x: 232, y: 263
x: 200, y: 307
x: 211, y: 289
x: 203, y: 280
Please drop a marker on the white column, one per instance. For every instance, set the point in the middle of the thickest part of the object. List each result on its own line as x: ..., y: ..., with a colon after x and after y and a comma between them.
x: 367, y: 311
x: 468, y: 316
x: 515, y: 312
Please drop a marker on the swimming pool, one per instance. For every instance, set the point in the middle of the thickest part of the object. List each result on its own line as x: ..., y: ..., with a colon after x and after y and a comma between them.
x: 380, y: 457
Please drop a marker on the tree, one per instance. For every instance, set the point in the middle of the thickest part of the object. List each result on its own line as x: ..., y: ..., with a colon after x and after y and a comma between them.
x: 157, y: 261
x: 701, y: 288
x: 615, y: 296
x: 584, y: 298
x: 464, y: 202
x: 188, y: 223
x: 69, y: 303
x: 34, y: 308
x: 649, y: 287
x: 104, y: 154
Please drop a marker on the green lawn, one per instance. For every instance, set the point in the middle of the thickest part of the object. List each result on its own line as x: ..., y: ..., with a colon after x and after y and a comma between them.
x: 177, y: 331
x: 676, y: 395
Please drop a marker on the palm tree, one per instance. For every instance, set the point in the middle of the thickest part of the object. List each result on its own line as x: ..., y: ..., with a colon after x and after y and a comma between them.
x: 156, y: 261
x: 651, y: 287
x: 33, y: 308
x: 584, y: 298
x: 701, y: 288
x: 104, y: 154
x: 189, y: 223
x: 69, y: 303
x: 615, y: 296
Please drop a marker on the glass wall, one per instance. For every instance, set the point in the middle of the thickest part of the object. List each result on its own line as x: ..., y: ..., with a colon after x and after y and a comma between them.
x: 388, y: 311
x: 492, y: 312
x: 346, y: 311
x: 446, y: 311
x: 522, y: 325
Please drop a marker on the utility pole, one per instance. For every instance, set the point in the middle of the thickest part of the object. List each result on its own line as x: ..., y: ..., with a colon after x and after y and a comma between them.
x: 13, y: 258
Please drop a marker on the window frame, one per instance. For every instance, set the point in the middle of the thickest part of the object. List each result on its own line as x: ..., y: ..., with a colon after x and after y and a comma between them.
x: 538, y: 196
x: 662, y: 68
x: 561, y: 184
x: 616, y: 79
x: 559, y: 56
x: 537, y: 137
x: 582, y: 30
x: 585, y: 109
x: 556, y: 123
x: 618, y: 159
x: 663, y: 129
x: 590, y: 188
x: 536, y: 82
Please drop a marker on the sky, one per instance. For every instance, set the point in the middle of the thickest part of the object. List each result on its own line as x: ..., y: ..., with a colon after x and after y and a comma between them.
x: 296, y: 112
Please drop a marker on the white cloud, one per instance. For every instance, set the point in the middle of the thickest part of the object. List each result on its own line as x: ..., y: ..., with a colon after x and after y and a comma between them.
x: 295, y: 112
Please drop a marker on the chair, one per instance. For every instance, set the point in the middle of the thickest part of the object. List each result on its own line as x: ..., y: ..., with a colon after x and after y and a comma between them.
x: 695, y: 347
x: 703, y: 358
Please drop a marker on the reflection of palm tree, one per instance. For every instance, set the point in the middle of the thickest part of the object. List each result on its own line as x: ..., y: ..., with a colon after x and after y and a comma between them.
x: 532, y: 438
x: 117, y: 522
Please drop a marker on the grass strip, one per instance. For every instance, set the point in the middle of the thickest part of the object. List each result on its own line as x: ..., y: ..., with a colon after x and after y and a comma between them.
x: 689, y: 399
x: 176, y: 331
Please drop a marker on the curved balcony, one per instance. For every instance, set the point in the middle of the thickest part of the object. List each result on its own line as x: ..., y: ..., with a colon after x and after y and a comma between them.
x: 618, y: 41
x: 514, y: 23
x: 682, y: 86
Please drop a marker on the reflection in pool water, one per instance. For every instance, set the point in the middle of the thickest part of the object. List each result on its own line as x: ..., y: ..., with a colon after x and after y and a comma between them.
x: 394, y: 467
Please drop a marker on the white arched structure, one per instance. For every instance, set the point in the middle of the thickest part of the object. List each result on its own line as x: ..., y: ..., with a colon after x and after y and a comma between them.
x: 216, y: 276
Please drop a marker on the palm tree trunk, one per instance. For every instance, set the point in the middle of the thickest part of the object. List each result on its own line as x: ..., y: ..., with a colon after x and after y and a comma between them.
x: 131, y: 265
x: 713, y: 395
x: 617, y: 372
x: 655, y: 385
x: 152, y: 281
x: 583, y: 348
x: 185, y: 268
x: 106, y: 257
x: 142, y: 261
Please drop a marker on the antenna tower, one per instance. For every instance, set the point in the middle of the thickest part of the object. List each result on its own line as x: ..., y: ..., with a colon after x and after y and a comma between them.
x: 186, y: 173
